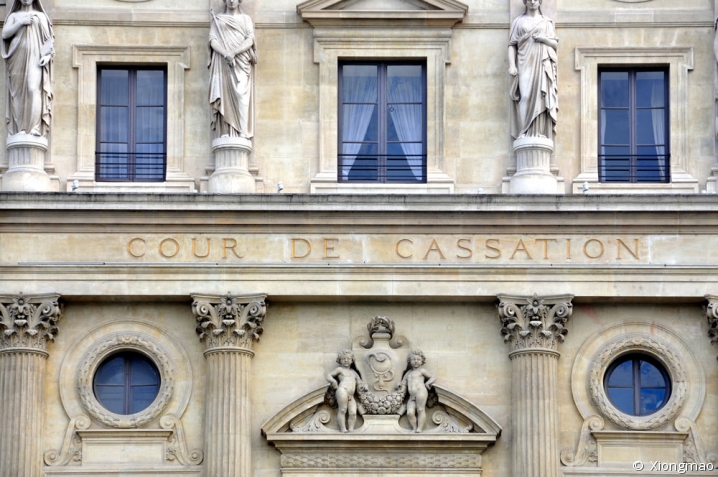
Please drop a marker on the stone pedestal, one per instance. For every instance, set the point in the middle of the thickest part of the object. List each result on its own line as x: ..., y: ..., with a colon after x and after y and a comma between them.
x: 533, y: 327
x: 27, y: 324
x: 231, y: 167
x: 26, y: 158
x: 228, y: 326
x: 533, y: 167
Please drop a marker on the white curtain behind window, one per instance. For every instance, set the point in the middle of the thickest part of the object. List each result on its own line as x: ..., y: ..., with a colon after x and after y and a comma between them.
x: 357, y: 117
x: 659, y: 128
x: 407, y: 122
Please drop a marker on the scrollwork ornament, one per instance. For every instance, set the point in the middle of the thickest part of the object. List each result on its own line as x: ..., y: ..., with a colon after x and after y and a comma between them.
x: 534, y: 323
x: 71, y: 452
x: 229, y: 321
x: 177, y: 443
x: 97, y: 354
x: 661, y: 351
x: 28, y: 321
x: 587, y: 450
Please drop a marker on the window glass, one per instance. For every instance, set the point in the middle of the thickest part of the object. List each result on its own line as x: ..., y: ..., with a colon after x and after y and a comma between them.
x: 637, y: 385
x: 633, y: 126
x: 131, y: 125
x: 127, y: 383
x: 383, y: 122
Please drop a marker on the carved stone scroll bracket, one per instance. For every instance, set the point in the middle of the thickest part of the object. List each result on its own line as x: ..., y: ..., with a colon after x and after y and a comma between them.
x: 383, y: 328
x: 229, y: 321
x: 711, y: 310
x: 71, y: 451
x: 692, y: 448
x: 28, y: 321
x: 586, y: 451
x: 177, y: 443
x: 532, y: 323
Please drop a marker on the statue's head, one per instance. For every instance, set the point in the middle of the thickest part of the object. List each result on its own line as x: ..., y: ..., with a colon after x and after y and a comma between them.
x: 345, y: 356
x: 416, y: 356
x: 533, y: 5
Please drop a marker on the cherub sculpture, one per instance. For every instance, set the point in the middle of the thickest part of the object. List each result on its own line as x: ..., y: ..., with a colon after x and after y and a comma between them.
x: 344, y: 380
x: 417, y: 381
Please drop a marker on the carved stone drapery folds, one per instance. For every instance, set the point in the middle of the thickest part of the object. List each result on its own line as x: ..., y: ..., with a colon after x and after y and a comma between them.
x: 229, y: 326
x: 712, y: 316
x: 27, y: 324
x: 534, y: 326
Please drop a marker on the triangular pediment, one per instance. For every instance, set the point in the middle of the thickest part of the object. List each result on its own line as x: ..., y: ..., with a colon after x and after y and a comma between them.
x: 443, y: 12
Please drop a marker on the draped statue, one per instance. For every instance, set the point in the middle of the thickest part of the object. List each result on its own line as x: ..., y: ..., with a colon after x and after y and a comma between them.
x: 533, y: 69
x: 28, y: 51
x: 233, y: 52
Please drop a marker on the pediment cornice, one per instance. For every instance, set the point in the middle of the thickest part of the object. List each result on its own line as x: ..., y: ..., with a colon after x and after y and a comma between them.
x: 433, y: 13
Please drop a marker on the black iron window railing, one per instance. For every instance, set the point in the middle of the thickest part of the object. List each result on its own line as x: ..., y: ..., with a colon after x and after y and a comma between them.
x: 408, y: 168
x: 635, y: 168
x: 130, y: 166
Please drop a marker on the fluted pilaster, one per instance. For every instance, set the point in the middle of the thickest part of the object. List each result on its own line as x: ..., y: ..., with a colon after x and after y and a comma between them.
x: 533, y: 327
x: 229, y: 326
x: 27, y: 324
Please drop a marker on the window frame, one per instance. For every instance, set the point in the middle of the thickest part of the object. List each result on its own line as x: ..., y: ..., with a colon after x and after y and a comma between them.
x: 128, y: 356
x: 633, y: 121
x: 382, y: 104
x: 132, y: 70
x: 635, y: 359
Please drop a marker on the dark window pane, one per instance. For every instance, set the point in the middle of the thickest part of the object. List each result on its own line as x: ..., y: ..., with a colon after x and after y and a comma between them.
x: 114, y: 87
x: 112, y: 372
x: 622, y: 375
x: 361, y: 123
x: 651, y: 376
x: 615, y: 127
x: 651, y: 400
x: 405, y: 161
x: 405, y: 122
x: 141, y: 397
x: 359, y: 83
x: 649, y: 89
x: 112, y: 397
x: 143, y: 372
x: 404, y: 84
x: 650, y: 126
x: 362, y: 164
x: 622, y: 398
x: 114, y: 123
x: 150, y: 88
x: 614, y: 89
x: 150, y: 124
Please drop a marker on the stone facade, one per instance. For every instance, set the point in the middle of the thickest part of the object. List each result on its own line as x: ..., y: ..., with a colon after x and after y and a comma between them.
x: 481, y: 318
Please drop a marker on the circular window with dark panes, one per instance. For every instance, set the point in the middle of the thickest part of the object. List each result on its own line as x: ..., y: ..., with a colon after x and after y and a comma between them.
x: 127, y: 383
x: 637, y: 385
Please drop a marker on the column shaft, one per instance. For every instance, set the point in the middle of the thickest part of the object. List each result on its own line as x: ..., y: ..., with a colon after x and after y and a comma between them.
x: 228, y: 441
x: 22, y: 398
x: 535, y: 411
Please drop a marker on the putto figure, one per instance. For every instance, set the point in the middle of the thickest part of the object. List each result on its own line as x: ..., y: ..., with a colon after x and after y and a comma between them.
x: 417, y: 381
x: 344, y: 381
x: 28, y: 51
x: 233, y: 54
x: 533, y: 69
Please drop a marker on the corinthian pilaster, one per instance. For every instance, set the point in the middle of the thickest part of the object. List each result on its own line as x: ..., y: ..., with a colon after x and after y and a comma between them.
x: 712, y: 316
x: 27, y: 324
x: 534, y: 327
x: 229, y: 326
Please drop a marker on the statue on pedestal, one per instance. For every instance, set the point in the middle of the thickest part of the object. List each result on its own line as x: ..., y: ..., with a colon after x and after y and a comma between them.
x: 533, y: 70
x: 28, y: 51
x: 233, y: 54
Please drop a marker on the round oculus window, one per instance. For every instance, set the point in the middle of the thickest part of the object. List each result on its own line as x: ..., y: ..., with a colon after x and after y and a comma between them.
x: 127, y: 383
x: 637, y: 385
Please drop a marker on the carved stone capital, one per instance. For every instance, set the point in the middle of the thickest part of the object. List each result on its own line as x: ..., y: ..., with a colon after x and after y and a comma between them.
x: 712, y: 316
x: 229, y: 321
x: 28, y: 321
x: 534, y: 323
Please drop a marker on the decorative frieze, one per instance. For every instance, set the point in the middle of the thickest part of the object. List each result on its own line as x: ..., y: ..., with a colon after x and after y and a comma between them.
x: 419, y: 461
x: 229, y: 321
x: 533, y: 322
x: 28, y: 321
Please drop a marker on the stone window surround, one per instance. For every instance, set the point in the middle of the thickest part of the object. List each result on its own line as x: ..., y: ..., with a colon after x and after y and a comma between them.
x: 176, y: 59
x: 680, y: 62
x: 430, y: 44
